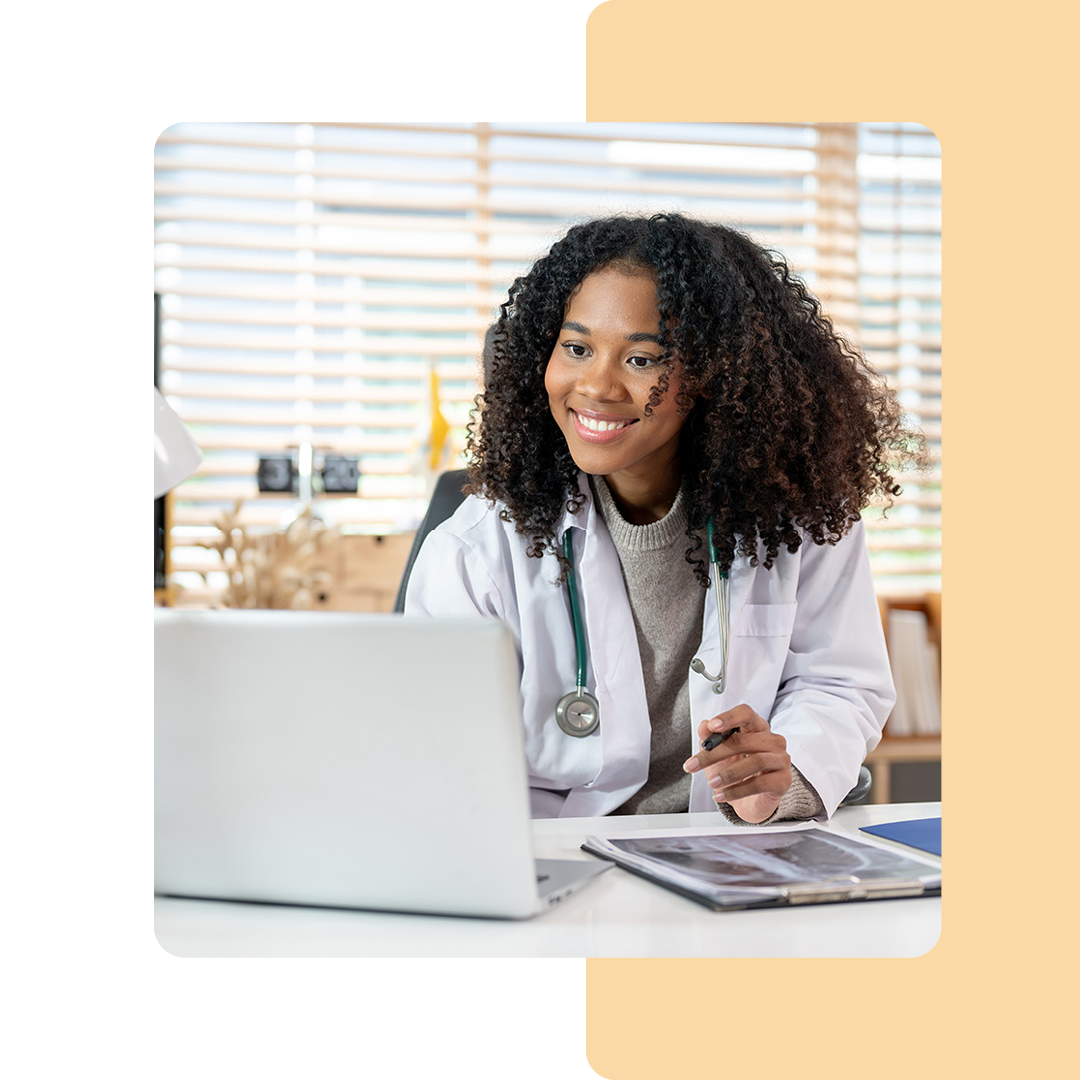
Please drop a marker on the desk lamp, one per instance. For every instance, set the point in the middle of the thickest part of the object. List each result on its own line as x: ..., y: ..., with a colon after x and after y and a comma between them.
x: 176, y: 456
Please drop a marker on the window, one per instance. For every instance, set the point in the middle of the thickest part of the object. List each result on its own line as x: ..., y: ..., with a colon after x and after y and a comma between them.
x: 314, y: 276
x: 900, y: 330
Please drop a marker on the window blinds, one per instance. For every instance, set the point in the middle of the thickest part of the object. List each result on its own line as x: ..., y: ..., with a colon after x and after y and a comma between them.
x: 899, y: 244
x: 313, y: 277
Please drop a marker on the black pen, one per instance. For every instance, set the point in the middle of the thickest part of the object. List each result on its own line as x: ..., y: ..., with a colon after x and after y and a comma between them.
x: 714, y: 740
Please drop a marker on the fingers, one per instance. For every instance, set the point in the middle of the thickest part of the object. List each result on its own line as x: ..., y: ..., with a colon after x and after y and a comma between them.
x: 751, y: 774
x: 751, y: 768
x: 743, y: 729
x: 742, y: 717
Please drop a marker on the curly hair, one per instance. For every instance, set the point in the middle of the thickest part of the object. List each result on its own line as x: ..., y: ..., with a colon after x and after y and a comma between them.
x: 786, y: 426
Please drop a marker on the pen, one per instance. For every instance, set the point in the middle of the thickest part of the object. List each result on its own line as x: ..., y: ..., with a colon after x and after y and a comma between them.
x: 714, y: 740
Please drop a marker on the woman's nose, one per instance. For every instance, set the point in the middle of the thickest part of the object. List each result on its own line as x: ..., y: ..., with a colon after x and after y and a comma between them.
x: 600, y: 380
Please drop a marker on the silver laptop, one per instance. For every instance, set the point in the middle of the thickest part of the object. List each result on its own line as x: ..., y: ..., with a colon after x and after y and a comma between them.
x: 360, y: 761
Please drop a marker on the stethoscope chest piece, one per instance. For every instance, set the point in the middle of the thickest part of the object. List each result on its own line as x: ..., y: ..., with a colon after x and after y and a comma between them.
x: 578, y: 713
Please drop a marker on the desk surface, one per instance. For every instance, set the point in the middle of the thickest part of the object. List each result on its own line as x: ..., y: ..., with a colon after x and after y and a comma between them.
x: 618, y: 914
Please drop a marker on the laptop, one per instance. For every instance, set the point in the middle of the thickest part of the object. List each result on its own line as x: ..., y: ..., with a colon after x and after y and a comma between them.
x: 345, y: 760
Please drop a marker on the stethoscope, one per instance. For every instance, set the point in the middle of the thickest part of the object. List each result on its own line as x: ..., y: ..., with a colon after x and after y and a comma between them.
x: 578, y: 712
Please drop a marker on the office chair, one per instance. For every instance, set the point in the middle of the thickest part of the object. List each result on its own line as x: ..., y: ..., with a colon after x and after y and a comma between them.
x: 445, y: 499
x: 861, y: 789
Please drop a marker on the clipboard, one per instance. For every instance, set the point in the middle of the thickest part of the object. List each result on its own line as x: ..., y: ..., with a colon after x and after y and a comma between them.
x: 748, y: 869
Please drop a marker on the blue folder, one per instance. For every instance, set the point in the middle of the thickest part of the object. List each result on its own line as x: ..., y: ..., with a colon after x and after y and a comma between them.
x: 922, y: 833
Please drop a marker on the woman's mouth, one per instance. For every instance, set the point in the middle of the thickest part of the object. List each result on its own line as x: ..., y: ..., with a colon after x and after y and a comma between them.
x: 593, y: 429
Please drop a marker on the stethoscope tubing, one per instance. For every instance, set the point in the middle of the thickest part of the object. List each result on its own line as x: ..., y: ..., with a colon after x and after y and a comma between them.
x: 722, y: 584
x: 575, y: 609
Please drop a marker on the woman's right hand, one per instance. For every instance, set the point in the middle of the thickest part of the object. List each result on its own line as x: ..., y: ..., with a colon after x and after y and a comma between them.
x: 750, y: 770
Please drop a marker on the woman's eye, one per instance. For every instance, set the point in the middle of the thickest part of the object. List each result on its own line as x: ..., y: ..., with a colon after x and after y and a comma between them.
x: 644, y: 361
x: 575, y: 350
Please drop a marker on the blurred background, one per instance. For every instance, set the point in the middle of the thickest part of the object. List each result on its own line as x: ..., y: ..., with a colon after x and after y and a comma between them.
x: 321, y: 297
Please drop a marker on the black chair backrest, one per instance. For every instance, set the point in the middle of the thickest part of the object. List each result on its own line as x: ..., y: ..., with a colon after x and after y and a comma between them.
x: 445, y: 499
x: 859, y: 792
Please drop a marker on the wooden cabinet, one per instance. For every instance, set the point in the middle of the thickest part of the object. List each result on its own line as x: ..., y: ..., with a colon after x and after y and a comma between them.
x: 367, y: 572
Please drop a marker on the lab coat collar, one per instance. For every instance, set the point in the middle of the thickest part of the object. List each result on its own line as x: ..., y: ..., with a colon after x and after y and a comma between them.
x: 585, y: 518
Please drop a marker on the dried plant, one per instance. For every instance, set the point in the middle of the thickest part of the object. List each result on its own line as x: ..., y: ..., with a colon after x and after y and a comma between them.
x: 285, y: 568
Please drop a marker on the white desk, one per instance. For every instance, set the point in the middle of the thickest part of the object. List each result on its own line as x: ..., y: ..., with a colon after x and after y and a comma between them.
x: 616, y: 915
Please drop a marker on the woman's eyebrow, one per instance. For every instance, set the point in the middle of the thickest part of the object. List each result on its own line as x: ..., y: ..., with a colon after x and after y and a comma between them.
x: 581, y: 328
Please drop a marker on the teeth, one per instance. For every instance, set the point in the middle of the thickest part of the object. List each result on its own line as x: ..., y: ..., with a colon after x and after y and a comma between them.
x: 601, y: 425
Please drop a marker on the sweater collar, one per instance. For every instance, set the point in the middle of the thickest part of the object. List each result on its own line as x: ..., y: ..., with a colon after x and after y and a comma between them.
x: 655, y: 536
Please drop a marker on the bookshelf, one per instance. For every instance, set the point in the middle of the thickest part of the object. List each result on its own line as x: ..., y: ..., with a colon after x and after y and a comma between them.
x: 895, y: 749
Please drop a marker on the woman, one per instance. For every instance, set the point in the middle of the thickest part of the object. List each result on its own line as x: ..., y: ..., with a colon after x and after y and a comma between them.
x: 651, y: 382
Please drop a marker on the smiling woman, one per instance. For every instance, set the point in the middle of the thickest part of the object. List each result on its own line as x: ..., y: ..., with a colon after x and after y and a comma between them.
x: 662, y: 393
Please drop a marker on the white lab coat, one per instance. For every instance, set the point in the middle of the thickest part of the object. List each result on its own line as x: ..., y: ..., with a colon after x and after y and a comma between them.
x: 806, y: 651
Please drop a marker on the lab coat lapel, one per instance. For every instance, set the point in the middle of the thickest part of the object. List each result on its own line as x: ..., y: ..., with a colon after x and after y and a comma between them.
x: 704, y: 702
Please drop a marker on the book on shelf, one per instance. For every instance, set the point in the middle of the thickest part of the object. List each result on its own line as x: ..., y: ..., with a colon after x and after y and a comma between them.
x: 916, y: 669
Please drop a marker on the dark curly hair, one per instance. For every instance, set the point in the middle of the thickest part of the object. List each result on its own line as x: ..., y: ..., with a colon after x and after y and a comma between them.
x: 786, y: 426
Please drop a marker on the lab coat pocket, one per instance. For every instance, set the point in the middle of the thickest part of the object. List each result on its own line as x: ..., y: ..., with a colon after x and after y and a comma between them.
x: 558, y: 760
x: 760, y: 638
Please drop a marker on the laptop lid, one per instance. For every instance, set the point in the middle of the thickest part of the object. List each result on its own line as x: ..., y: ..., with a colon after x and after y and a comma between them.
x: 369, y: 761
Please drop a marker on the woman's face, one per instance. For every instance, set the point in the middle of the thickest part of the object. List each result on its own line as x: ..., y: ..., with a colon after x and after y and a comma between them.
x: 600, y: 376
